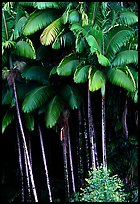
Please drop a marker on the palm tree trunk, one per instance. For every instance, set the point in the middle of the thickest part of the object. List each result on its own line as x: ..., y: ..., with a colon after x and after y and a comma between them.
x: 63, y: 137
x: 103, y: 128
x: 124, y: 123
x: 86, y: 136
x: 91, y: 132
x: 24, y: 143
x: 20, y: 166
x: 70, y: 158
x: 80, y: 150
x: 30, y: 149
x: 45, y: 165
x: 27, y: 178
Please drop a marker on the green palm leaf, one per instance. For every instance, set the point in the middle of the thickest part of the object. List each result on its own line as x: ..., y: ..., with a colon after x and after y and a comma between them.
x: 63, y: 39
x: 126, y: 57
x: 102, y: 59
x: 29, y: 121
x: 72, y: 96
x: 81, y: 74
x: 44, y: 5
x: 77, y: 29
x: 38, y: 20
x: 115, y: 39
x: 35, y: 98
x: 120, y: 78
x: 128, y: 18
x: 18, y: 28
x: 26, y: 4
x: 93, y: 43
x: 73, y: 16
x: 23, y: 49
x: 54, y: 110
x: 51, y: 32
x: 96, y: 80
x: 67, y: 65
x: 36, y: 73
x: 7, y: 119
x: 7, y: 96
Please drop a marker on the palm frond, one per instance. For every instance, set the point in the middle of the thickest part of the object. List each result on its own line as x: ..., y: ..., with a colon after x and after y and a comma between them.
x: 18, y: 27
x: 126, y: 57
x: 37, y: 73
x: 24, y: 49
x: 67, y: 65
x: 115, y: 39
x: 7, y: 119
x: 81, y: 74
x: 118, y: 77
x: 102, y: 59
x: 95, y: 40
x: 128, y: 18
x: 26, y: 4
x: 44, y: 5
x: 29, y: 121
x: 73, y: 16
x: 54, y: 110
x: 80, y: 44
x: 72, y: 96
x: 93, y: 11
x: 35, y: 98
x: 51, y: 32
x: 7, y: 96
x: 77, y: 29
x: 38, y: 20
x: 63, y: 39
x: 96, y: 80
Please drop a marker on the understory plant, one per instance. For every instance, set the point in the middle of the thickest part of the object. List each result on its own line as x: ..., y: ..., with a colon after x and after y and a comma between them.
x: 101, y: 187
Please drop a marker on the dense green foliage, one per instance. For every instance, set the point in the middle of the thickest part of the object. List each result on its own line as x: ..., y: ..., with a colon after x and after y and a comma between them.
x: 57, y: 53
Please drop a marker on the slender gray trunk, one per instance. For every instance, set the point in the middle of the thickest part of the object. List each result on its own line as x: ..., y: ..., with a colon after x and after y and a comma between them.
x: 91, y: 133
x: 86, y: 136
x: 63, y: 137
x: 80, y: 150
x: 45, y: 165
x: 104, y: 130
x: 24, y: 143
x: 71, y: 162
x: 27, y: 178
x: 124, y: 122
x: 30, y: 149
x: 20, y: 165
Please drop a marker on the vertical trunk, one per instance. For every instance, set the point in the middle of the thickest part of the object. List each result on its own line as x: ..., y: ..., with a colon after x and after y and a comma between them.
x: 124, y: 123
x: 24, y: 143
x: 20, y: 165
x: 86, y: 136
x: 63, y: 137
x: 103, y: 128
x: 45, y: 165
x: 27, y: 178
x: 30, y: 149
x: 94, y: 156
x: 71, y: 163
x: 80, y: 150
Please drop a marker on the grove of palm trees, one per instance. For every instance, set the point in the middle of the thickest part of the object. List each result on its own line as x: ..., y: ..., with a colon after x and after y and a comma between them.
x: 69, y: 102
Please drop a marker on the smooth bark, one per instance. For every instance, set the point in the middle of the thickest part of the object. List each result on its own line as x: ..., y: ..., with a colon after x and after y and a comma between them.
x: 20, y: 165
x: 86, y: 136
x: 45, y: 165
x: 124, y: 122
x: 104, y: 129
x: 24, y: 143
x: 71, y: 162
x: 80, y: 151
x: 94, y: 155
